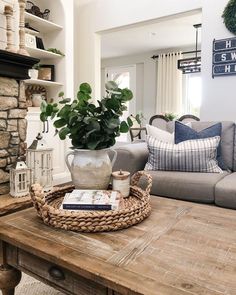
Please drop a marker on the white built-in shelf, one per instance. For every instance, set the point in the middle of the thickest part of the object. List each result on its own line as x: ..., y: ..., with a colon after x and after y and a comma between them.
x: 34, y: 110
x: 40, y: 24
x: 42, y: 54
x: 43, y: 82
x: 31, y: 32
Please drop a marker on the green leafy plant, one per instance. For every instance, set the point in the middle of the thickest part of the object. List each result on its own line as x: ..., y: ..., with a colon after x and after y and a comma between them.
x: 170, y: 116
x: 229, y: 16
x: 36, y: 66
x: 57, y: 51
x: 90, y: 126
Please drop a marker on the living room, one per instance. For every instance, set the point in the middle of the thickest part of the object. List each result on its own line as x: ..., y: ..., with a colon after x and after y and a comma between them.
x: 72, y: 72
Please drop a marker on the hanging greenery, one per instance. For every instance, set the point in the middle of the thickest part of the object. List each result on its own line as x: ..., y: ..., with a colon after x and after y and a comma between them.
x: 229, y: 16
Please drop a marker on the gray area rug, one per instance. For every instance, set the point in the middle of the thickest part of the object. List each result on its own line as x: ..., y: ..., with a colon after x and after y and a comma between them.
x: 30, y: 286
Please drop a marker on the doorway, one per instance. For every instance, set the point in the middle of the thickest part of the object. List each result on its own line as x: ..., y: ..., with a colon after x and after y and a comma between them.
x: 124, y: 77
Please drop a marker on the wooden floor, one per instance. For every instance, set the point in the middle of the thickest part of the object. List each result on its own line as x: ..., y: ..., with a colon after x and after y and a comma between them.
x: 183, y: 248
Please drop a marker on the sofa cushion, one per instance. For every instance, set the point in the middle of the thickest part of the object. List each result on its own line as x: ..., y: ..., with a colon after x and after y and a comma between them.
x: 183, y: 133
x: 227, y: 139
x: 160, y: 134
x: 131, y: 157
x: 225, y: 192
x: 189, y: 156
x: 189, y: 186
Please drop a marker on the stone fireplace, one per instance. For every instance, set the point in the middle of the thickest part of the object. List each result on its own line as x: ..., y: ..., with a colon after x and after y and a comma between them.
x: 13, y: 110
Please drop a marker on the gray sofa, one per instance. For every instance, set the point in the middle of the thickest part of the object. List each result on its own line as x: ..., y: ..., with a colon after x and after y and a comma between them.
x: 218, y: 188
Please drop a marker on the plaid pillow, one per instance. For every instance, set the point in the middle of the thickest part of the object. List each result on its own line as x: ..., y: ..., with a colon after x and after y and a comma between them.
x: 197, y: 155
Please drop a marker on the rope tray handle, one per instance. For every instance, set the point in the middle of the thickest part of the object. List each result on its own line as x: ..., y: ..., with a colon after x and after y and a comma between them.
x: 136, y: 178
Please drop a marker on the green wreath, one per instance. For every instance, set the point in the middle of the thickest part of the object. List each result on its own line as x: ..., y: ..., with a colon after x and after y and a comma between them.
x: 229, y: 16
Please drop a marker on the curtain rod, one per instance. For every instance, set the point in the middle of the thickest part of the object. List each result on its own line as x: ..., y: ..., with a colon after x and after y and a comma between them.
x: 185, y: 52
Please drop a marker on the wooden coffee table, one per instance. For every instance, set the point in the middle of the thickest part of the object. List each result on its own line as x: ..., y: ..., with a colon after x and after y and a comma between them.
x: 182, y: 248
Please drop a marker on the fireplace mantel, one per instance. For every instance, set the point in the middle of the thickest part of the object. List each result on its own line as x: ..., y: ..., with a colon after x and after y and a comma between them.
x: 13, y: 65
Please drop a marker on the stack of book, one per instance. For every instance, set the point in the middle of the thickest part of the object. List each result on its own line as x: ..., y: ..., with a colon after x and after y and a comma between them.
x: 92, y: 200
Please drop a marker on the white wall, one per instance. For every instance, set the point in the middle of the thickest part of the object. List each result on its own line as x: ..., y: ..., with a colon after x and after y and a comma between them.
x: 145, y: 79
x: 219, y: 99
x: 102, y: 15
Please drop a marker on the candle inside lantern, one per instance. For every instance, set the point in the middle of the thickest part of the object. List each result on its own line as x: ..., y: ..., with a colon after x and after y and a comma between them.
x: 121, y: 182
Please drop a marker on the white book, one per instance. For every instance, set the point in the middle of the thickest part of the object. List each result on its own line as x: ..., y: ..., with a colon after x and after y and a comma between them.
x: 92, y: 200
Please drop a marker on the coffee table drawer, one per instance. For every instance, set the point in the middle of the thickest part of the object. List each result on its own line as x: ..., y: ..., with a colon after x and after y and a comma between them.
x: 58, y: 276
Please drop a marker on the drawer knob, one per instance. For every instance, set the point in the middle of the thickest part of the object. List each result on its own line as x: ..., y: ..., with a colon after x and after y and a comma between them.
x: 56, y: 273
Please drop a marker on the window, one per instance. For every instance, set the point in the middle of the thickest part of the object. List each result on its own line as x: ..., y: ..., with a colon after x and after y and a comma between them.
x: 192, y: 94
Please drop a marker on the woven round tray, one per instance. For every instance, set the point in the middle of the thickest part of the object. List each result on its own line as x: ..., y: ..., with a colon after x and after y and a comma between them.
x: 136, y: 209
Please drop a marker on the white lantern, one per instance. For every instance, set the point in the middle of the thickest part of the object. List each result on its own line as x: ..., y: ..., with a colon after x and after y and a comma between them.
x: 39, y: 160
x: 19, y: 179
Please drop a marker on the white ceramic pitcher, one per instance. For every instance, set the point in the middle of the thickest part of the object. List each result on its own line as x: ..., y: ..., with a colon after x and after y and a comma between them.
x: 91, y: 169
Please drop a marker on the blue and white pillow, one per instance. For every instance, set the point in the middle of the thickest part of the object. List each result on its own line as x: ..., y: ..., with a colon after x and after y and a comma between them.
x: 183, y: 132
x: 188, y: 156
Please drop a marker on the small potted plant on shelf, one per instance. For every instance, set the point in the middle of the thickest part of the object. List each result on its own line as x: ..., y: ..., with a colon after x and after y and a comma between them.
x: 56, y: 51
x: 170, y: 116
x: 34, y: 72
x: 93, y: 129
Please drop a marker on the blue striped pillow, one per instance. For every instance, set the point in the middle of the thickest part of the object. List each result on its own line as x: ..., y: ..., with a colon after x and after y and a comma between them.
x: 188, y: 156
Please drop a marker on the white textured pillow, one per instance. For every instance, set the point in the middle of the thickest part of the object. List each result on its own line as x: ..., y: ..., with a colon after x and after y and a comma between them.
x: 160, y: 134
x: 198, y: 155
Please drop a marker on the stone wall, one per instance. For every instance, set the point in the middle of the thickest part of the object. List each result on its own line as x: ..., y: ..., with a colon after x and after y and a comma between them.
x: 13, y: 127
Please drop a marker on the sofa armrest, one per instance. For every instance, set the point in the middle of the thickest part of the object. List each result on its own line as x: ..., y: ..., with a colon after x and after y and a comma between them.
x: 131, y: 157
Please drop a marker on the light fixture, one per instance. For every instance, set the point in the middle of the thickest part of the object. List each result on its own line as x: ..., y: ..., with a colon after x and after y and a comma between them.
x: 193, y: 64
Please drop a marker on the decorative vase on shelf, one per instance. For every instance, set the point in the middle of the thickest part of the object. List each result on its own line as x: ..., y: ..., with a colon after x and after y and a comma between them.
x: 37, y: 99
x: 91, y: 169
x: 33, y: 73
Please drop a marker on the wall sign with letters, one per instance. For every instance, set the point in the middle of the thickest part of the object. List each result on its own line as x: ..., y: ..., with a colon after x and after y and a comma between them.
x: 224, y: 57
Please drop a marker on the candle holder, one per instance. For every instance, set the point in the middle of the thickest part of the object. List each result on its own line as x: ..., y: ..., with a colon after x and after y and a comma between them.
x: 22, y: 49
x: 121, y: 182
x: 39, y: 160
x: 8, y: 12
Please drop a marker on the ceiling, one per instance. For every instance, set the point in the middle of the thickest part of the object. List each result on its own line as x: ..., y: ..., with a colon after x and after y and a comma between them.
x: 172, y: 33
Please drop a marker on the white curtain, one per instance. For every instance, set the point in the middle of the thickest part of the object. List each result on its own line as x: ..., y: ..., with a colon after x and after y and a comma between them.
x: 169, y: 84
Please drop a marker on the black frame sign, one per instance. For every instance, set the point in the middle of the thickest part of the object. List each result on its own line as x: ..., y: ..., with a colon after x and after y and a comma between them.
x: 224, y: 57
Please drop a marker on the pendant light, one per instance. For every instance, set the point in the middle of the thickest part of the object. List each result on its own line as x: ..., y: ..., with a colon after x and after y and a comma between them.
x: 193, y: 64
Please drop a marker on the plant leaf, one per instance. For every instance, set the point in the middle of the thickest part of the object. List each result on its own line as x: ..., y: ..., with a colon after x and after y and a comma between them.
x: 138, y: 119
x: 124, y: 128
x: 64, y: 101
x: 85, y: 88
x: 43, y: 106
x: 92, y: 144
x: 49, y: 110
x: 130, y: 122
x: 63, y: 132
x: 127, y: 94
x: 64, y: 112
x: 113, y: 123
x: 111, y: 85
x: 43, y: 117
x: 61, y: 94
x: 59, y: 123
x: 113, y: 104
